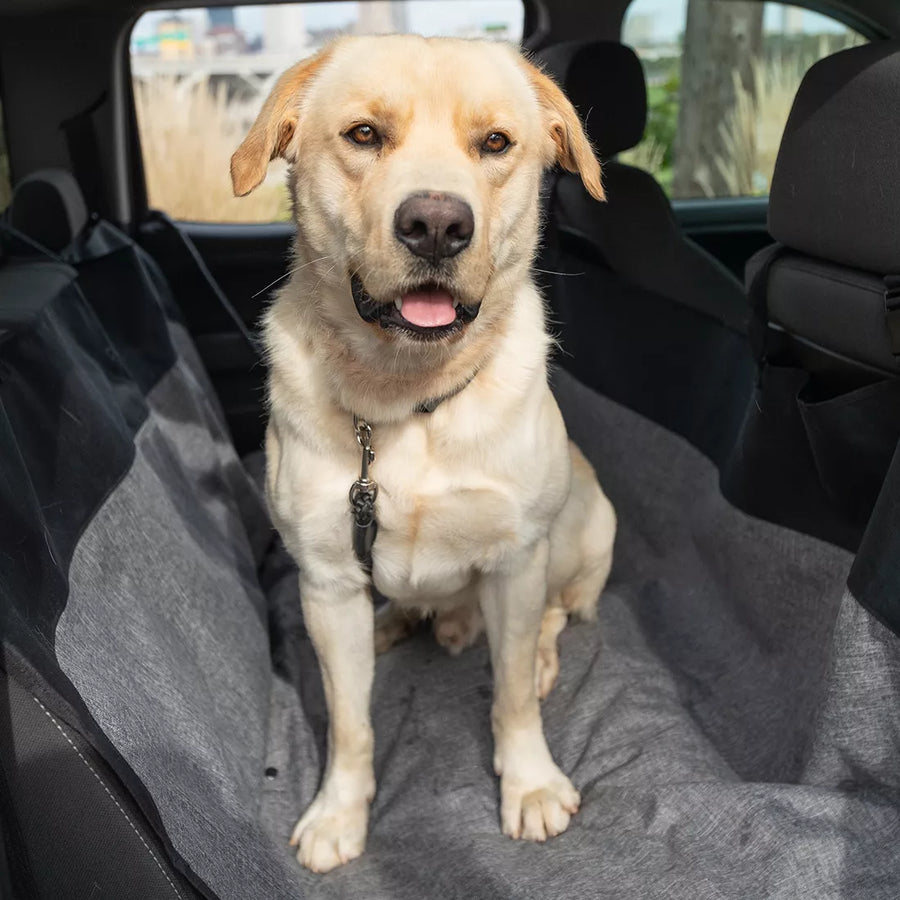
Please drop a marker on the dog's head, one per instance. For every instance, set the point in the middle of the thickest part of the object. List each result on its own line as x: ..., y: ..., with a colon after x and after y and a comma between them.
x: 415, y: 172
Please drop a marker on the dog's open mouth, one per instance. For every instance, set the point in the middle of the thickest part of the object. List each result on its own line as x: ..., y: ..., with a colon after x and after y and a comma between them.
x: 428, y: 312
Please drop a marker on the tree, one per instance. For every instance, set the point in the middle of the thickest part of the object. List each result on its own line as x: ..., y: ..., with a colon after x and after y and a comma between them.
x: 722, y: 41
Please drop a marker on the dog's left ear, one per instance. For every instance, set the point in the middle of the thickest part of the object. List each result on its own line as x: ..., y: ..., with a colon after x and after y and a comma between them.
x: 573, y: 149
x: 270, y: 135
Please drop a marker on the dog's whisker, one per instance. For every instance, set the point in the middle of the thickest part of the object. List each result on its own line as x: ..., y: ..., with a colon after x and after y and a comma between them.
x: 315, y: 290
x: 566, y: 274
x: 287, y: 274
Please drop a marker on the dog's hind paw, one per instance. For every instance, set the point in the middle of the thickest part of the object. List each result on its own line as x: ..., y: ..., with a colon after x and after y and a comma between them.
x: 546, y: 670
x: 458, y: 628
x: 393, y: 625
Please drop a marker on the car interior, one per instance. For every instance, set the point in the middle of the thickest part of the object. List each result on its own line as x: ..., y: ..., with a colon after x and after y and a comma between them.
x: 727, y: 358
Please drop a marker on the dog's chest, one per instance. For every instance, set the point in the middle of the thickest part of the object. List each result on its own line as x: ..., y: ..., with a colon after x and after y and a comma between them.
x: 442, y: 519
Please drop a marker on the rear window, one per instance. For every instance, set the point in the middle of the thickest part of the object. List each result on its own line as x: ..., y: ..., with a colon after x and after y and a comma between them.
x: 200, y: 76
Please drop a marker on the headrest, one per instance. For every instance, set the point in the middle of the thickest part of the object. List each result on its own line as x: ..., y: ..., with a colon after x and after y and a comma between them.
x: 605, y: 82
x: 836, y: 188
x: 48, y: 207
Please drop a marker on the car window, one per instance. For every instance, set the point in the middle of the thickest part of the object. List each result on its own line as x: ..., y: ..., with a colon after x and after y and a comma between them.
x: 5, y: 187
x: 721, y: 77
x: 200, y: 76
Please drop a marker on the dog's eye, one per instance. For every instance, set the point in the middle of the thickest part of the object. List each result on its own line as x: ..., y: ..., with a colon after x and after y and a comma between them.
x: 495, y: 142
x: 364, y: 135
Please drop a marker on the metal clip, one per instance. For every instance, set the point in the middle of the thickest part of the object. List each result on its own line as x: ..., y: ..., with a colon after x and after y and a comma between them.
x: 363, y: 487
x: 362, y: 498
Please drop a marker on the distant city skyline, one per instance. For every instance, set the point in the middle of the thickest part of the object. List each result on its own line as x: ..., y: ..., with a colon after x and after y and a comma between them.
x: 422, y: 16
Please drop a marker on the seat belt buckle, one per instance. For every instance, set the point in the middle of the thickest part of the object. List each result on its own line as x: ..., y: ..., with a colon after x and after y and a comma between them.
x: 892, y: 311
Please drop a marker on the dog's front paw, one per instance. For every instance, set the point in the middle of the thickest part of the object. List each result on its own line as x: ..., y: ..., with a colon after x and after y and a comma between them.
x: 329, y: 834
x: 537, y: 808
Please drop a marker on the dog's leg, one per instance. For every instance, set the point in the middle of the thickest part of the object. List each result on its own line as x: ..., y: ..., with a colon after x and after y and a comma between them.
x: 536, y: 798
x: 333, y: 829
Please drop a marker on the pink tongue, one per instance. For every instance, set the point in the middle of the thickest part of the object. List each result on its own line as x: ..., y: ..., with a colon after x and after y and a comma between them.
x: 428, y: 309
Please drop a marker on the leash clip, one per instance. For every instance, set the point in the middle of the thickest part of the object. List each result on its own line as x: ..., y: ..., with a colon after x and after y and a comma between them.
x: 362, y: 497
x: 363, y: 486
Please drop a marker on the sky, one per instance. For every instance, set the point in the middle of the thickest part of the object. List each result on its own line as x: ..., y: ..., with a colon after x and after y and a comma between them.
x: 435, y: 17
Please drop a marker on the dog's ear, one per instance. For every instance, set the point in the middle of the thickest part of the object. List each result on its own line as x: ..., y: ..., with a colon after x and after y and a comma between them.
x: 270, y: 135
x: 573, y: 149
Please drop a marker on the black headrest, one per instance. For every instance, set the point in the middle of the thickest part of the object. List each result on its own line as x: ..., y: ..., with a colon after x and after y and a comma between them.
x: 48, y: 207
x: 605, y: 82
x: 836, y: 188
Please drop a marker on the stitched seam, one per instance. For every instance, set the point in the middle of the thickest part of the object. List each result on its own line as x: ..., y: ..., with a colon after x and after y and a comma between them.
x: 148, y: 848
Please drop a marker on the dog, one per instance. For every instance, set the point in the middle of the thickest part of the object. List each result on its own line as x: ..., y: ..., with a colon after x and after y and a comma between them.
x: 409, y: 349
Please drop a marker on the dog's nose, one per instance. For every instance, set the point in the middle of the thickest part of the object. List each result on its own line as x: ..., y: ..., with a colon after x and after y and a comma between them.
x: 433, y: 225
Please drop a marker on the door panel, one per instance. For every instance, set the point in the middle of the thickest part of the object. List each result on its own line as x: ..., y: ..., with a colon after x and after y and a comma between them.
x: 248, y: 261
x: 731, y: 230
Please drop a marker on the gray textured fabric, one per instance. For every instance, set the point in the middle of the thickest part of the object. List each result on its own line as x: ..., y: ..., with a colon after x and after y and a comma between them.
x: 722, y: 748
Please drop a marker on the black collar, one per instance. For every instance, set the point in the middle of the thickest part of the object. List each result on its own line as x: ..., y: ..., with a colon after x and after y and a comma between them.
x: 429, y: 406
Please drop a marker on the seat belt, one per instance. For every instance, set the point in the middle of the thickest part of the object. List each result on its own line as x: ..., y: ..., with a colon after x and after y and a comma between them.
x: 84, y: 153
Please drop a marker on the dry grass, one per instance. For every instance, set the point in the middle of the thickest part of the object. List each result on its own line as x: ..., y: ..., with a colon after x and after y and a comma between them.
x: 188, y: 134
x: 648, y: 154
x: 752, y: 133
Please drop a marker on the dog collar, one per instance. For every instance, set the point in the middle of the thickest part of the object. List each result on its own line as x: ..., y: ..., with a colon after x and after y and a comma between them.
x: 429, y: 406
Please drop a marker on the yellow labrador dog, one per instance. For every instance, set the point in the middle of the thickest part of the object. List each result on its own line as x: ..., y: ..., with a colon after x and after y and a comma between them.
x: 410, y: 327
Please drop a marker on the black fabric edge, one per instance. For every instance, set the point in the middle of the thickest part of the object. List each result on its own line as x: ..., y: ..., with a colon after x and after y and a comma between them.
x: 53, y: 688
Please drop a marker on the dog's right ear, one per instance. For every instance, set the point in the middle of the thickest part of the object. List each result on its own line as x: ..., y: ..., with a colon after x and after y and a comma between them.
x: 573, y: 149
x: 270, y: 135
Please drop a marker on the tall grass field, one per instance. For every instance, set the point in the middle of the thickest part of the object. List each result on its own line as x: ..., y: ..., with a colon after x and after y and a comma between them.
x: 188, y: 134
